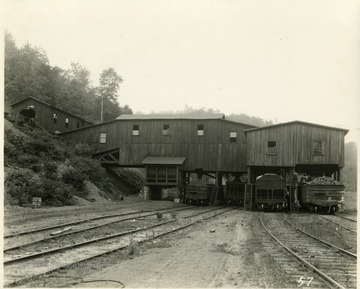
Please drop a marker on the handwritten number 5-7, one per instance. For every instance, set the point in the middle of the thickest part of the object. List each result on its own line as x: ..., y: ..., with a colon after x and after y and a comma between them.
x: 303, y: 280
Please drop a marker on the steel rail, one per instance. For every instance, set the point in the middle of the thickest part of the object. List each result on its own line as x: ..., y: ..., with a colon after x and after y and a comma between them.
x: 322, y: 241
x: 322, y: 274
x: 84, y: 243
x: 347, y: 218
x: 26, y: 279
x: 350, y: 230
x: 88, y: 229
x: 82, y: 221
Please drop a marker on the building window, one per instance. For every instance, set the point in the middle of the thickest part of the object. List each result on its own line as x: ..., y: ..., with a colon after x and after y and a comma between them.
x: 318, y: 148
x: 271, y: 147
x: 135, y: 131
x: 55, y: 117
x: 66, y: 122
x: 161, y: 174
x: 103, y: 137
x: 166, y: 129
x: 171, y: 174
x: 233, y: 136
x: 200, y: 130
x: 77, y: 125
x: 151, y: 174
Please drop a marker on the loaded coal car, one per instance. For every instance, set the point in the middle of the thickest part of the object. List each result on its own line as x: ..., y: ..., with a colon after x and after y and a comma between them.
x: 322, y: 194
x: 270, y: 192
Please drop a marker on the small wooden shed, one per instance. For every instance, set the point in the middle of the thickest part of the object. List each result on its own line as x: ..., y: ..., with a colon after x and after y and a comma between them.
x: 49, y: 117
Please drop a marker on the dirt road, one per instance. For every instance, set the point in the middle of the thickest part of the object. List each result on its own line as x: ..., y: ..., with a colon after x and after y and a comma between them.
x: 226, y: 251
x: 222, y: 252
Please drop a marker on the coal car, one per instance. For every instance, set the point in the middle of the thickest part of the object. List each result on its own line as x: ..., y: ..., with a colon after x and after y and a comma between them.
x: 322, y: 194
x: 270, y: 192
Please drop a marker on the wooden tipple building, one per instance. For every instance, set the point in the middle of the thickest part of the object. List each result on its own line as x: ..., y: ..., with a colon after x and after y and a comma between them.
x: 173, y: 147
x: 170, y: 147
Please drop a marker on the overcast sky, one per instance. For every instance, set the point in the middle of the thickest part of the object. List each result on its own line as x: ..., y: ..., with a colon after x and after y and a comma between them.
x: 280, y: 60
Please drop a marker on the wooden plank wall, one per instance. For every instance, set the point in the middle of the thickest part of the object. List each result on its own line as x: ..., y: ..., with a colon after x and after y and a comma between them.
x: 295, y: 145
x: 44, y: 114
x: 212, y: 152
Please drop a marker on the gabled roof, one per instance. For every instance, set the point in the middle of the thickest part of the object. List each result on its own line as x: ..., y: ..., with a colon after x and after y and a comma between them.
x: 179, y: 116
x: 172, y: 116
x: 49, y: 105
x: 295, y: 122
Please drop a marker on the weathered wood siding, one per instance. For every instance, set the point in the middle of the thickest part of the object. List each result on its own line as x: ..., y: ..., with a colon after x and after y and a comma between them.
x: 91, y: 135
x: 212, y: 152
x: 295, y: 145
x: 45, y: 113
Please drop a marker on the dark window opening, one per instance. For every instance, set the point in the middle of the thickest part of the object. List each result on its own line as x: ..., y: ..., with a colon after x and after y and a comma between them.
x: 151, y: 174
x: 55, y: 117
x: 135, y: 131
x: 171, y: 175
x: 200, y: 130
x: 161, y: 174
x: 66, y: 122
x: 233, y: 136
x: 166, y: 129
x: 271, y: 147
x: 77, y: 125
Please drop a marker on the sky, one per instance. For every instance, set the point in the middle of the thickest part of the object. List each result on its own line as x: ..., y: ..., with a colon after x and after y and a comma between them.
x: 279, y: 60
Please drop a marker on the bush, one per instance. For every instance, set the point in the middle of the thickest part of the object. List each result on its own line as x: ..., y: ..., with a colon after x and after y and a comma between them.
x: 10, y: 152
x: 56, y: 193
x: 42, y: 144
x: 75, y: 178
x: 89, y: 167
x: 22, y: 183
x: 30, y: 161
x: 83, y: 150
x: 50, y: 169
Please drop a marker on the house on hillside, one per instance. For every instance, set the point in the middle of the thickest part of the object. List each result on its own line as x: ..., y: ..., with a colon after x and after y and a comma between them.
x: 47, y: 116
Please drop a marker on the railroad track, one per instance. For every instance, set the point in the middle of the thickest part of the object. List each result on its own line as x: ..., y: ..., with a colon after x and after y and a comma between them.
x: 350, y: 217
x: 21, y: 239
x: 332, y: 265
x: 346, y: 223
x: 25, y: 266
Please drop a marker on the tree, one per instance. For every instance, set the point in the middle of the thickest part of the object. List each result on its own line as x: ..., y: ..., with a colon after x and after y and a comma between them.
x: 26, y: 71
x: 78, y: 96
x: 108, y: 94
x: 11, y: 55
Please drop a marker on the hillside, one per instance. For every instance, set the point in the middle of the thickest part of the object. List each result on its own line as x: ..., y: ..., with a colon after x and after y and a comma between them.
x: 38, y: 164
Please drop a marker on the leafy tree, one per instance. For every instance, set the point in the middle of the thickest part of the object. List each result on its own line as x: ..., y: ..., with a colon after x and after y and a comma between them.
x: 28, y: 73
x: 108, y: 94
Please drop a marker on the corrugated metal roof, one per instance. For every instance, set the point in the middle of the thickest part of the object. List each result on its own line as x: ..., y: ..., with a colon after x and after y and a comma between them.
x: 172, y: 116
x: 163, y: 160
x: 295, y: 122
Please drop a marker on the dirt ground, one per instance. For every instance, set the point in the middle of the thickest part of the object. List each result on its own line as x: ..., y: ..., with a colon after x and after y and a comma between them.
x: 221, y: 252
